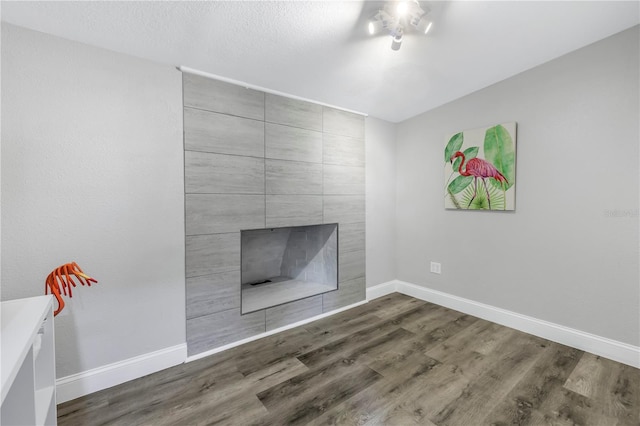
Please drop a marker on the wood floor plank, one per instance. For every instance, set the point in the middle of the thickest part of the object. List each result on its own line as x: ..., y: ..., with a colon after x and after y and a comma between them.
x: 584, y: 378
x: 393, y: 361
x: 331, y: 328
x: 359, y: 344
x: 612, y: 386
x: 479, y: 398
x: 394, y: 304
x: 377, y: 403
x: 550, y: 371
x: 274, y: 374
x: 481, y: 337
x: 305, y: 397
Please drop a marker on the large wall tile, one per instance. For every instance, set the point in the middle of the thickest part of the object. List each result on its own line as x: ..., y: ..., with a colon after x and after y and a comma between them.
x: 212, y: 254
x: 218, y: 96
x: 351, y: 265
x: 344, y: 208
x: 218, y: 213
x: 293, y: 210
x: 209, y: 294
x: 344, y: 123
x: 343, y: 180
x: 349, y: 292
x: 351, y: 237
x: 292, y: 177
x: 208, y: 173
x: 291, y: 312
x: 342, y: 150
x: 293, y: 112
x: 291, y: 143
x: 223, y: 134
x: 211, y: 331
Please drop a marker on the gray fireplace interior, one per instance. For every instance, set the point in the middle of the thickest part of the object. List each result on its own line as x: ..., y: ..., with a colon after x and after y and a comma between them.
x: 280, y: 265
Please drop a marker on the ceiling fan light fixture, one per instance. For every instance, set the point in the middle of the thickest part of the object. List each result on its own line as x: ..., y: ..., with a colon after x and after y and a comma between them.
x: 396, y: 16
x: 424, y: 25
x: 375, y: 26
x: 402, y: 8
x: 396, y: 42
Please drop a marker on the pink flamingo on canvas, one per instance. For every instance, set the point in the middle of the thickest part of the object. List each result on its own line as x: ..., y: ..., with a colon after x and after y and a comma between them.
x: 478, y: 168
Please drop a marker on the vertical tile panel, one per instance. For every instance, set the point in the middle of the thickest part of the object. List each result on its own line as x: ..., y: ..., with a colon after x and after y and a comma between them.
x: 291, y: 143
x: 291, y: 312
x: 219, y: 96
x: 351, y: 265
x: 209, y: 294
x: 212, y: 254
x: 215, y: 330
x: 207, y: 173
x: 342, y: 150
x: 350, y: 292
x: 344, y: 123
x: 352, y: 237
x: 223, y: 134
x: 220, y: 213
x: 293, y: 112
x: 343, y: 180
x: 344, y: 208
x: 292, y: 177
x: 294, y: 210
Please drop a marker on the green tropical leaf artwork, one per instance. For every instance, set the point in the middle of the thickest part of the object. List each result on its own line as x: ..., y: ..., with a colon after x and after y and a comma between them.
x: 480, y: 169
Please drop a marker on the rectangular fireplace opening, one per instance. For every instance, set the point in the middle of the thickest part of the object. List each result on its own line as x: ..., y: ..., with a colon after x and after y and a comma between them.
x: 280, y: 265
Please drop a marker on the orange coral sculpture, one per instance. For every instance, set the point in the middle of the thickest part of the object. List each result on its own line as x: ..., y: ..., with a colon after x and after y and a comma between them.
x: 60, y: 280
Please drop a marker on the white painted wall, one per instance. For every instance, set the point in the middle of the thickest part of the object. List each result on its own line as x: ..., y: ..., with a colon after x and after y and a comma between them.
x: 92, y: 171
x: 380, y: 157
x: 561, y: 256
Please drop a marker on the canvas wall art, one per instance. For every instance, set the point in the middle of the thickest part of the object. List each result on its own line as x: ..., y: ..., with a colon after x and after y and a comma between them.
x: 480, y: 169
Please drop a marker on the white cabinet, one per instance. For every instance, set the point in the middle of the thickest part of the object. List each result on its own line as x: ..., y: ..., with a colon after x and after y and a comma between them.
x: 28, y: 362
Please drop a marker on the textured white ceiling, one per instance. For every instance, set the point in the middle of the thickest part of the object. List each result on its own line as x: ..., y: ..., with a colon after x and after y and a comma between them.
x: 320, y: 50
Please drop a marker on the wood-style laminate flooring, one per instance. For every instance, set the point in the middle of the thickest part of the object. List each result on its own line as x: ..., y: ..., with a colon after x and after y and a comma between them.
x: 394, y: 361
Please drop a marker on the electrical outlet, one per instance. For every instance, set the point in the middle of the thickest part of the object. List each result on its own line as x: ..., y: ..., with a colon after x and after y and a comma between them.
x: 435, y: 267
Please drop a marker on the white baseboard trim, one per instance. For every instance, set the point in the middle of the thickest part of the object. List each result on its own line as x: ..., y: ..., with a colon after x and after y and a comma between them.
x: 381, y: 290
x: 602, y: 346
x: 86, y: 382
x: 270, y: 332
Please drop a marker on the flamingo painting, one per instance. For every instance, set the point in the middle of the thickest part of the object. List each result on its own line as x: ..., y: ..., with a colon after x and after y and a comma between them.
x: 478, y: 168
x: 487, y: 154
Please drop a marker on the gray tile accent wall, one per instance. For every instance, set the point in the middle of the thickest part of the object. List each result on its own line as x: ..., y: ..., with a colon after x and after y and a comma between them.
x: 291, y: 143
x: 343, y: 180
x: 344, y: 208
x: 344, y: 123
x: 294, y: 210
x: 210, y: 294
x: 350, y: 292
x: 293, y: 112
x: 291, y: 312
x: 212, y: 254
x: 343, y: 150
x: 210, y: 331
x: 207, y: 173
x: 293, y: 177
x: 214, y: 95
x: 352, y: 265
x: 217, y: 213
x: 352, y: 237
x: 256, y: 160
x: 223, y: 134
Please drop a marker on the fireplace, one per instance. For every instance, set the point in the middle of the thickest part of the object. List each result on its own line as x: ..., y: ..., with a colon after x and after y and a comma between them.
x: 280, y: 265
